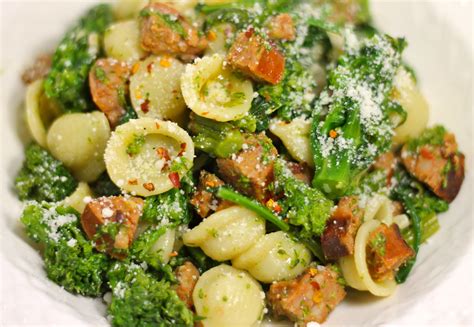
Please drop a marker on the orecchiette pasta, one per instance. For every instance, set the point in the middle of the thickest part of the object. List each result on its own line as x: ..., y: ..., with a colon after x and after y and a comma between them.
x: 295, y: 137
x: 355, y: 270
x: 144, y: 155
x: 164, y: 245
x: 213, y: 91
x: 122, y: 41
x: 155, y: 89
x: 274, y: 257
x: 380, y: 208
x: 226, y: 233
x: 184, y: 6
x: 126, y: 9
x: 39, y: 113
x: 77, y: 200
x: 78, y: 140
x: 407, y: 93
x: 226, y: 296
x: 218, y: 39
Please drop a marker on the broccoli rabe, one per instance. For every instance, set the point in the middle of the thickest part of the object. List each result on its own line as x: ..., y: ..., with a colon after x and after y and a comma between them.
x: 352, y: 122
x: 139, y: 299
x: 143, y: 247
x: 170, y: 208
x: 421, y: 207
x: 218, y: 139
x: 290, y: 98
x: 70, y: 259
x: 42, y: 177
x: 67, y: 81
x: 304, y: 206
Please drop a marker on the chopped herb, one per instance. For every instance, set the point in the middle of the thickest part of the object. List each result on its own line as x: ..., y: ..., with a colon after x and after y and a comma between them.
x: 201, y: 294
x: 213, y: 232
x: 101, y: 75
x: 236, y: 98
x: 378, y: 244
x: 134, y: 147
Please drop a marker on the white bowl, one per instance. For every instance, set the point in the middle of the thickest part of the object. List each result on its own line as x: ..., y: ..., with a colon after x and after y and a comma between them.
x: 439, y: 289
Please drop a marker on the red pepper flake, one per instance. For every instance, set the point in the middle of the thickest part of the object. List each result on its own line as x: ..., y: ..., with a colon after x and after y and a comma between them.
x: 149, y: 187
x: 145, y: 106
x: 249, y: 32
x: 133, y: 181
x: 165, y: 62
x: 211, y: 36
x: 174, y: 254
x: 163, y: 153
x: 157, y: 125
x: 135, y: 68
x: 149, y: 67
x: 315, y: 285
x: 332, y: 134
x: 174, y: 178
x: 273, y: 205
x: 426, y: 153
x: 277, y: 208
x: 182, y: 149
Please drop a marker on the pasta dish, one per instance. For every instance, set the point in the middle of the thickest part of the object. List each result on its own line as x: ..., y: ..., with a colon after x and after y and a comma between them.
x: 221, y: 163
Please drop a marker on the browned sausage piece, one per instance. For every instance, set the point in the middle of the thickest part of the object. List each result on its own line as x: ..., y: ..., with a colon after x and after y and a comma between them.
x: 386, y: 252
x: 165, y: 31
x: 204, y: 199
x: 440, y: 166
x: 111, y: 222
x: 281, y: 27
x: 187, y: 276
x: 251, y: 170
x: 310, y: 297
x: 39, y: 69
x: 339, y: 234
x: 108, y: 80
x: 257, y: 58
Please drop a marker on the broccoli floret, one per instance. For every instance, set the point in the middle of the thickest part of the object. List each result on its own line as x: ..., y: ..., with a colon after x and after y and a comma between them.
x: 139, y: 299
x: 42, y: 177
x: 170, y: 208
x: 304, y: 206
x: 218, y: 139
x: 67, y: 80
x: 69, y: 257
x: 358, y: 125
